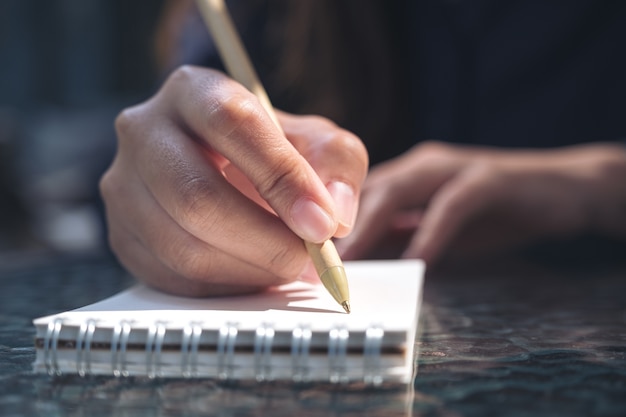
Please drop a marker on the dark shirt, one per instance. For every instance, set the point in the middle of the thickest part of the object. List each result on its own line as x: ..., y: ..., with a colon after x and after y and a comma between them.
x: 514, y: 73
x: 526, y: 73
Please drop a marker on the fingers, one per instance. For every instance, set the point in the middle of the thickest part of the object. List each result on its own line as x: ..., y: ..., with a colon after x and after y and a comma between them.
x: 178, y: 261
x: 184, y: 212
x: 393, y: 189
x: 206, y: 190
x: 146, y: 267
x: 475, y: 200
x: 338, y: 157
x: 457, y: 203
x: 230, y: 121
x: 375, y: 210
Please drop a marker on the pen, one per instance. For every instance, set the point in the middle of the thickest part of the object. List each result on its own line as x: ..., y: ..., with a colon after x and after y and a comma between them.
x: 324, y: 255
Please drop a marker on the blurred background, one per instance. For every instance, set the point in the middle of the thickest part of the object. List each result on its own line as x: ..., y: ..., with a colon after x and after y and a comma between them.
x: 67, y: 67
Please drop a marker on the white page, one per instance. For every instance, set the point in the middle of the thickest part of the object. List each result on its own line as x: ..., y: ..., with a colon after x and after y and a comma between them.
x: 384, y: 293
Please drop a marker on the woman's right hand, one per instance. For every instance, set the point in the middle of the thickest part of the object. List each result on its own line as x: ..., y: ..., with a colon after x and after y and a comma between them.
x: 206, y: 196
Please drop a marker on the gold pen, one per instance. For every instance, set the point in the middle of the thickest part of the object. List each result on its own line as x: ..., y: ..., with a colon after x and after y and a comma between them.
x: 324, y: 255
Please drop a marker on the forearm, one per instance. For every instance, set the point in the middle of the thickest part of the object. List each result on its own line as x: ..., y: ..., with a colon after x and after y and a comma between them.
x: 587, y: 184
x: 604, y: 173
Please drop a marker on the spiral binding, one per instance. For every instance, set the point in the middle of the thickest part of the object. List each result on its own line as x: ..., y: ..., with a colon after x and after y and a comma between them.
x: 263, y: 340
x: 51, y: 341
x: 371, y: 355
x: 300, y: 345
x: 83, y: 346
x: 264, y: 337
x: 337, y: 353
x: 154, y: 345
x: 189, y: 349
x: 226, y: 350
x: 119, y: 343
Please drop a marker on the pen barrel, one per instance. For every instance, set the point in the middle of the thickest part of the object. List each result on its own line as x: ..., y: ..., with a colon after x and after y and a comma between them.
x: 330, y: 269
x: 334, y: 279
x: 232, y: 51
x: 215, y: 13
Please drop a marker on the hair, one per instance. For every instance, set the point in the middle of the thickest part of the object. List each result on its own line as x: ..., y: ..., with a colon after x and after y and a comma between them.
x: 339, y: 59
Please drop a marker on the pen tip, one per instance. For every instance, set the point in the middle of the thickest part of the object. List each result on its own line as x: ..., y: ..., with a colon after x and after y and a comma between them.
x: 346, y: 306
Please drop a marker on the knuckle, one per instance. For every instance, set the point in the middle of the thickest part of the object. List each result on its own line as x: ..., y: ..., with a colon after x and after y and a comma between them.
x: 483, y: 173
x: 318, y: 120
x: 126, y: 121
x: 192, y: 262
x: 352, y: 146
x: 182, y: 74
x: 198, y: 204
x: 183, y: 71
x: 432, y: 150
x: 432, y: 146
x: 278, y: 180
x: 111, y: 185
x: 481, y: 180
x: 435, y: 157
x: 105, y: 185
x: 130, y: 127
x: 229, y: 116
x: 285, y: 261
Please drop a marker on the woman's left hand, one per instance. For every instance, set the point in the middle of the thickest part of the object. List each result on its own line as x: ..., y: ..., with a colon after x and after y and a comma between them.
x: 440, y: 199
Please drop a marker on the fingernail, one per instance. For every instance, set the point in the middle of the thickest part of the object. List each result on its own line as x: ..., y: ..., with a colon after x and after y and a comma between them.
x: 345, y: 202
x: 312, y: 222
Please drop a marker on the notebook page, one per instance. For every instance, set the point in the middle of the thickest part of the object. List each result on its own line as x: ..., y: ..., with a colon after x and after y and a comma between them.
x: 385, y: 293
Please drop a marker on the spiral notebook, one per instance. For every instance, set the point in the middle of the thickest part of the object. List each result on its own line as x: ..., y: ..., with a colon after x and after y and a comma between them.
x: 292, y: 332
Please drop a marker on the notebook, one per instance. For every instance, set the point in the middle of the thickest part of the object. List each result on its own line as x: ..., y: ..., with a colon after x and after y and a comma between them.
x: 292, y: 332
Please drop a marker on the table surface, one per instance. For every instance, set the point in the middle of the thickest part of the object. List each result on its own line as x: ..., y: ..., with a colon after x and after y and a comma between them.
x: 514, y: 338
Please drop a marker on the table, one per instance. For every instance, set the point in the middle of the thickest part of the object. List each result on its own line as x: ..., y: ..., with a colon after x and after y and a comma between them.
x: 507, y: 338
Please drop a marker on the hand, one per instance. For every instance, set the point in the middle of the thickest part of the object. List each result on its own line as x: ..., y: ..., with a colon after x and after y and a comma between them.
x: 206, y: 196
x: 458, y: 200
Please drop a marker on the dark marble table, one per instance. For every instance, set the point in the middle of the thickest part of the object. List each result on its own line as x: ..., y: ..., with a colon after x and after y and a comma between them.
x: 514, y: 338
